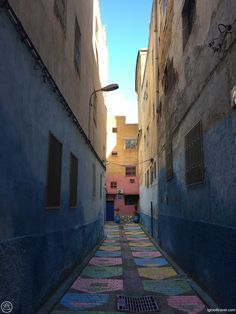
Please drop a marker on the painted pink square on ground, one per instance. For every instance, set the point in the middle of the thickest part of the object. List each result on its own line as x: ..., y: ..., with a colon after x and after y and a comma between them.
x: 190, y: 304
x: 105, y: 261
x: 97, y: 285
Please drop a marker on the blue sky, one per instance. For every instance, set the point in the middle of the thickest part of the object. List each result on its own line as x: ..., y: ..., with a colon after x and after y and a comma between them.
x: 127, y: 28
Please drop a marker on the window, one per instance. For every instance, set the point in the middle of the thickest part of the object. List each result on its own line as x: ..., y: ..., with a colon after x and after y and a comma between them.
x: 73, y: 180
x: 95, y: 109
x: 148, y: 179
x: 147, y: 136
x: 131, y: 199
x: 194, y: 155
x: 155, y: 170
x: 131, y: 181
x: 188, y: 16
x: 54, y: 173
x: 77, y: 48
x: 169, y: 161
x: 60, y: 10
x: 151, y: 175
x: 113, y: 184
x: 130, y: 171
x: 130, y: 143
x: 163, y: 7
x: 114, y: 153
x: 94, y: 181
x: 100, y: 186
x: 114, y: 130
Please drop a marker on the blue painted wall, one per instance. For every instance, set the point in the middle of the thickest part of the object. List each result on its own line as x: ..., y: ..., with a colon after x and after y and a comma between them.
x: 38, y: 247
x: 197, y: 225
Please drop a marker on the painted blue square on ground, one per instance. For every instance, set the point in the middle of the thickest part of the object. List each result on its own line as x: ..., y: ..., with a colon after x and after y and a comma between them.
x: 150, y: 261
x: 79, y: 301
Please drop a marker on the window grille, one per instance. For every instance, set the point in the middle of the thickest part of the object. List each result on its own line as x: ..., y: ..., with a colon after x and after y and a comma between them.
x: 131, y: 199
x: 77, y: 48
x: 73, y: 180
x: 130, y: 143
x: 100, y: 186
x: 94, y: 180
x: 60, y: 10
x: 114, y: 153
x: 114, y: 130
x: 188, y: 16
x: 130, y: 171
x: 113, y: 184
x: 194, y: 155
x: 54, y: 172
x: 169, y: 161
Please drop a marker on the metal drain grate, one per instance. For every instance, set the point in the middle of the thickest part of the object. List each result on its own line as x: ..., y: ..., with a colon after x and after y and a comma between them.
x: 136, y: 304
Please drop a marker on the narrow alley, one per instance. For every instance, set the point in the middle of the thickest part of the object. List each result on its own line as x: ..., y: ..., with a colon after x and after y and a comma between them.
x: 129, y: 264
x: 117, y: 156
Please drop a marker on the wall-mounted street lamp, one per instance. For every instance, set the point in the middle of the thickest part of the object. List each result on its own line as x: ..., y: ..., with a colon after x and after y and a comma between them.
x: 107, y: 88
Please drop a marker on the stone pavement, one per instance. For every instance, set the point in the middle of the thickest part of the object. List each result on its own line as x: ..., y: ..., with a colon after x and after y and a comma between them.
x: 127, y: 263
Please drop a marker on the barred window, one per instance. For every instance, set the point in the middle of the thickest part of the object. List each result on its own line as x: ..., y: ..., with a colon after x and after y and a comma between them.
x: 148, y: 179
x: 73, y: 180
x: 169, y: 161
x: 194, y: 155
x: 130, y: 143
x: 188, y: 17
x: 77, y: 47
x: 94, y: 180
x: 130, y: 171
x: 54, y: 172
x: 131, y: 199
x: 60, y: 10
x: 113, y: 184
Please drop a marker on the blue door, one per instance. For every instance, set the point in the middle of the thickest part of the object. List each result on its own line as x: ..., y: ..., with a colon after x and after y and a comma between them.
x: 110, y: 211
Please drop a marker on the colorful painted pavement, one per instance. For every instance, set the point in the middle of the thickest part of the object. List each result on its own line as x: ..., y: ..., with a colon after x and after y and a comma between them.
x: 150, y: 262
x: 128, y: 263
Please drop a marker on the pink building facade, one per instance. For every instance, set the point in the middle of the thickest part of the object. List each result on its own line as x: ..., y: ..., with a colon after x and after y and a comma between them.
x: 124, y: 191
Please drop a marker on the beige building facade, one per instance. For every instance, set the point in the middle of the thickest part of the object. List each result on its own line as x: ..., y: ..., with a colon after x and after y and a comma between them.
x: 195, y: 129
x: 122, y: 175
x: 71, y: 40
x: 146, y: 87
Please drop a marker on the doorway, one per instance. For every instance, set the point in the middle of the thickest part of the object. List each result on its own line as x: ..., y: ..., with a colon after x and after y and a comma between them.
x: 109, y: 210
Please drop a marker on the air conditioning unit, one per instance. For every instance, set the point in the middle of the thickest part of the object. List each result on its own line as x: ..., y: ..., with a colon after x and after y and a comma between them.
x: 120, y: 191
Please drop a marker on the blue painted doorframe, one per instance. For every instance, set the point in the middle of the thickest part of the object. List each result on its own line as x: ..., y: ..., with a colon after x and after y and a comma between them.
x: 110, y: 211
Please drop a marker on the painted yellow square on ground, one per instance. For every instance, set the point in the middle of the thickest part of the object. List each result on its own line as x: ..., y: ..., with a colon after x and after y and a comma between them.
x: 148, y: 243
x: 109, y: 248
x: 157, y: 273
